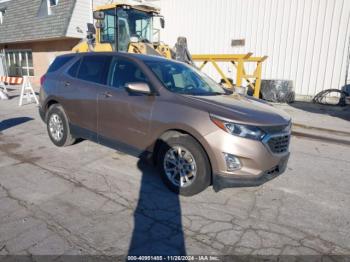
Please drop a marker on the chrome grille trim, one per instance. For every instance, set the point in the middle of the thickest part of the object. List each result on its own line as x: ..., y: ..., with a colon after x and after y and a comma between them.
x: 277, y: 144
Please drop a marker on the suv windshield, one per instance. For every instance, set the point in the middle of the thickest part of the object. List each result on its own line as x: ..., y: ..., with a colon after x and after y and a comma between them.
x: 183, y: 79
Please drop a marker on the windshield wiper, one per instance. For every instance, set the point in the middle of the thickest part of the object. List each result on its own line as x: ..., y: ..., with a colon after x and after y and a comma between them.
x: 206, y: 94
x: 218, y: 93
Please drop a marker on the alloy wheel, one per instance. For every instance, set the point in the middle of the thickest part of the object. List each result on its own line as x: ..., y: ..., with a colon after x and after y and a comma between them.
x: 56, y: 127
x: 180, y: 166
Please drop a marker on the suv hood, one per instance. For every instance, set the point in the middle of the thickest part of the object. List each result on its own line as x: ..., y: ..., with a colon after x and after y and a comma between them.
x: 242, y: 109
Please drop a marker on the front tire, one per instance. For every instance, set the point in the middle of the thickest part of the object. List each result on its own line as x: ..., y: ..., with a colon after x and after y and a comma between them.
x: 184, y: 165
x: 58, y: 126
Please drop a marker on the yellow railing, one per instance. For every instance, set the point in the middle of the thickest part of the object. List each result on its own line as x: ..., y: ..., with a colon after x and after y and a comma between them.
x: 239, y: 61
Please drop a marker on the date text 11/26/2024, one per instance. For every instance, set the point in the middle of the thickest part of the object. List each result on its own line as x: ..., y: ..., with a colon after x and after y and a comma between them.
x: 173, y: 258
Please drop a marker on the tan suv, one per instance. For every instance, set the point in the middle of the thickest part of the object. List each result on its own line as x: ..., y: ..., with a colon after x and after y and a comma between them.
x: 197, y: 132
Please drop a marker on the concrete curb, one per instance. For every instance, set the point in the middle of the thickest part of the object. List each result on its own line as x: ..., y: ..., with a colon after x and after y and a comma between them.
x: 321, y: 138
x: 333, y: 131
x: 321, y: 134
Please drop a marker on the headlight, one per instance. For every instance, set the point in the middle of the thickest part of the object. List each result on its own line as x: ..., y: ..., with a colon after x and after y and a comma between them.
x: 245, y: 131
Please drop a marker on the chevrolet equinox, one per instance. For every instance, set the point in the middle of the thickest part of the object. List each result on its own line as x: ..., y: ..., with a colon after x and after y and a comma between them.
x: 197, y: 132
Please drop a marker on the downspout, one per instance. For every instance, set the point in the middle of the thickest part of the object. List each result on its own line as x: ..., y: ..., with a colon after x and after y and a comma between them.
x: 3, y: 61
x: 347, y: 69
x: 347, y: 76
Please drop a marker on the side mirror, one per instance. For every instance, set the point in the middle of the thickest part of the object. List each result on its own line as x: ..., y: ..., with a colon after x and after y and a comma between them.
x: 162, y: 22
x: 99, y: 15
x: 100, y: 24
x: 139, y: 87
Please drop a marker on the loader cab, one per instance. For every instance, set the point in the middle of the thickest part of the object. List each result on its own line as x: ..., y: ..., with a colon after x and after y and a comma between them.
x: 118, y: 26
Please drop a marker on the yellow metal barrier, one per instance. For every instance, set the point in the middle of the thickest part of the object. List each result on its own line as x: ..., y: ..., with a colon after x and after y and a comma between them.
x: 238, y: 60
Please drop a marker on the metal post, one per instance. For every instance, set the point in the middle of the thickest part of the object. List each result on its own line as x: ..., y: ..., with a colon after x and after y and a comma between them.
x: 239, y: 72
x: 116, y: 25
x: 221, y: 73
x: 258, y: 80
x: 238, y: 60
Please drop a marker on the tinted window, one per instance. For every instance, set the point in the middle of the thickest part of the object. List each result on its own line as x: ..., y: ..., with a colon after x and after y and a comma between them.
x: 59, y: 62
x: 74, y: 69
x: 123, y: 71
x: 93, y: 68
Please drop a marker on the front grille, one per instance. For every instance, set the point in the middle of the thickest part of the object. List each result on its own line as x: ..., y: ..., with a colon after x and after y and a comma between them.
x: 279, y: 144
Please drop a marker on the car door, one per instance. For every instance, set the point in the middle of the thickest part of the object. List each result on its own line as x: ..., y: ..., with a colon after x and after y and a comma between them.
x: 125, y: 117
x: 81, y: 87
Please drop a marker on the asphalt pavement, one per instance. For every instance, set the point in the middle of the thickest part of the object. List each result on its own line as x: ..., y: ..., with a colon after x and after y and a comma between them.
x: 90, y: 199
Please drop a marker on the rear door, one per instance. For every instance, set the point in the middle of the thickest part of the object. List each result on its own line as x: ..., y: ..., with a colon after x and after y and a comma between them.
x: 123, y: 116
x: 83, y: 82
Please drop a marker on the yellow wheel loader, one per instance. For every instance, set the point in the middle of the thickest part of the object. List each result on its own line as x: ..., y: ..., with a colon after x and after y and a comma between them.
x: 134, y: 27
x: 127, y: 26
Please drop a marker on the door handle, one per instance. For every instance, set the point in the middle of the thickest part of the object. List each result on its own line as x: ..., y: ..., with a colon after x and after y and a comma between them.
x: 66, y: 84
x: 107, y: 94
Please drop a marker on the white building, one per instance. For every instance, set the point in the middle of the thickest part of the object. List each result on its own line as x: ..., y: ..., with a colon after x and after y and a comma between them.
x: 307, y: 41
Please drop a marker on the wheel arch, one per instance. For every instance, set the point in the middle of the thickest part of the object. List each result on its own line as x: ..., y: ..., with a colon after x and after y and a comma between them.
x: 48, y: 103
x: 178, y: 132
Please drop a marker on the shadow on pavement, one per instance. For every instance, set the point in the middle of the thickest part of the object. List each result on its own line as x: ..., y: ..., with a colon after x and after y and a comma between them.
x: 13, y: 96
x: 11, y: 122
x: 331, y: 110
x: 157, y: 217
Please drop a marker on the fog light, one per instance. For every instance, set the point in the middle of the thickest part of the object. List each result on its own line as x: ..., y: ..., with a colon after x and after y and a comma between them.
x: 232, y: 162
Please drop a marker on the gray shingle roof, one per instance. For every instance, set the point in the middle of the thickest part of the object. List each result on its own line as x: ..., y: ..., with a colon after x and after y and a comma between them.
x: 21, y: 22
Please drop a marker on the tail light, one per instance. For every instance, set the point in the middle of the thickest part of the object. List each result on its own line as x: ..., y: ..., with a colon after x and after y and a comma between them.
x: 42, y: 80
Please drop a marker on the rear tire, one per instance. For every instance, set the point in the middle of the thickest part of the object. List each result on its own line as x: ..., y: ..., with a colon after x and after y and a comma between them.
x: 58, y: 126
x: 192, y: 164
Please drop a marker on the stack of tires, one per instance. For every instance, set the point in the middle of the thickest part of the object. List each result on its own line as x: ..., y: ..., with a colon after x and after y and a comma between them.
x: 278, y: 91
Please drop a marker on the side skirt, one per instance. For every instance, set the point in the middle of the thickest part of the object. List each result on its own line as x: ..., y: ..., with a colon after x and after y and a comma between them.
x: 84, y: 133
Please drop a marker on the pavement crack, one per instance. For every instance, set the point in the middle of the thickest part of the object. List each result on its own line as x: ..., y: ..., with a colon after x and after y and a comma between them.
x: 3, y: 248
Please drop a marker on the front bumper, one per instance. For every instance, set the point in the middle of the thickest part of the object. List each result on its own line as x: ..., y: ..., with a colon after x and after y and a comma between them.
x: 220, y: 182
x: 258, y: 163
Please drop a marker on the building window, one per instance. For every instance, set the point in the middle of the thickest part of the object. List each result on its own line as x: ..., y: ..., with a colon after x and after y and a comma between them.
x: 19, y: 62
x: 45, y: 7
x: 53, y: 2
x: 2, y: 14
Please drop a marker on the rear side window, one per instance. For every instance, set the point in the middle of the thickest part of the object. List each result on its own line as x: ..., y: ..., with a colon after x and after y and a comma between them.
x: 73, y: 71
x: 59, y: 62
x: 93, y: 68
